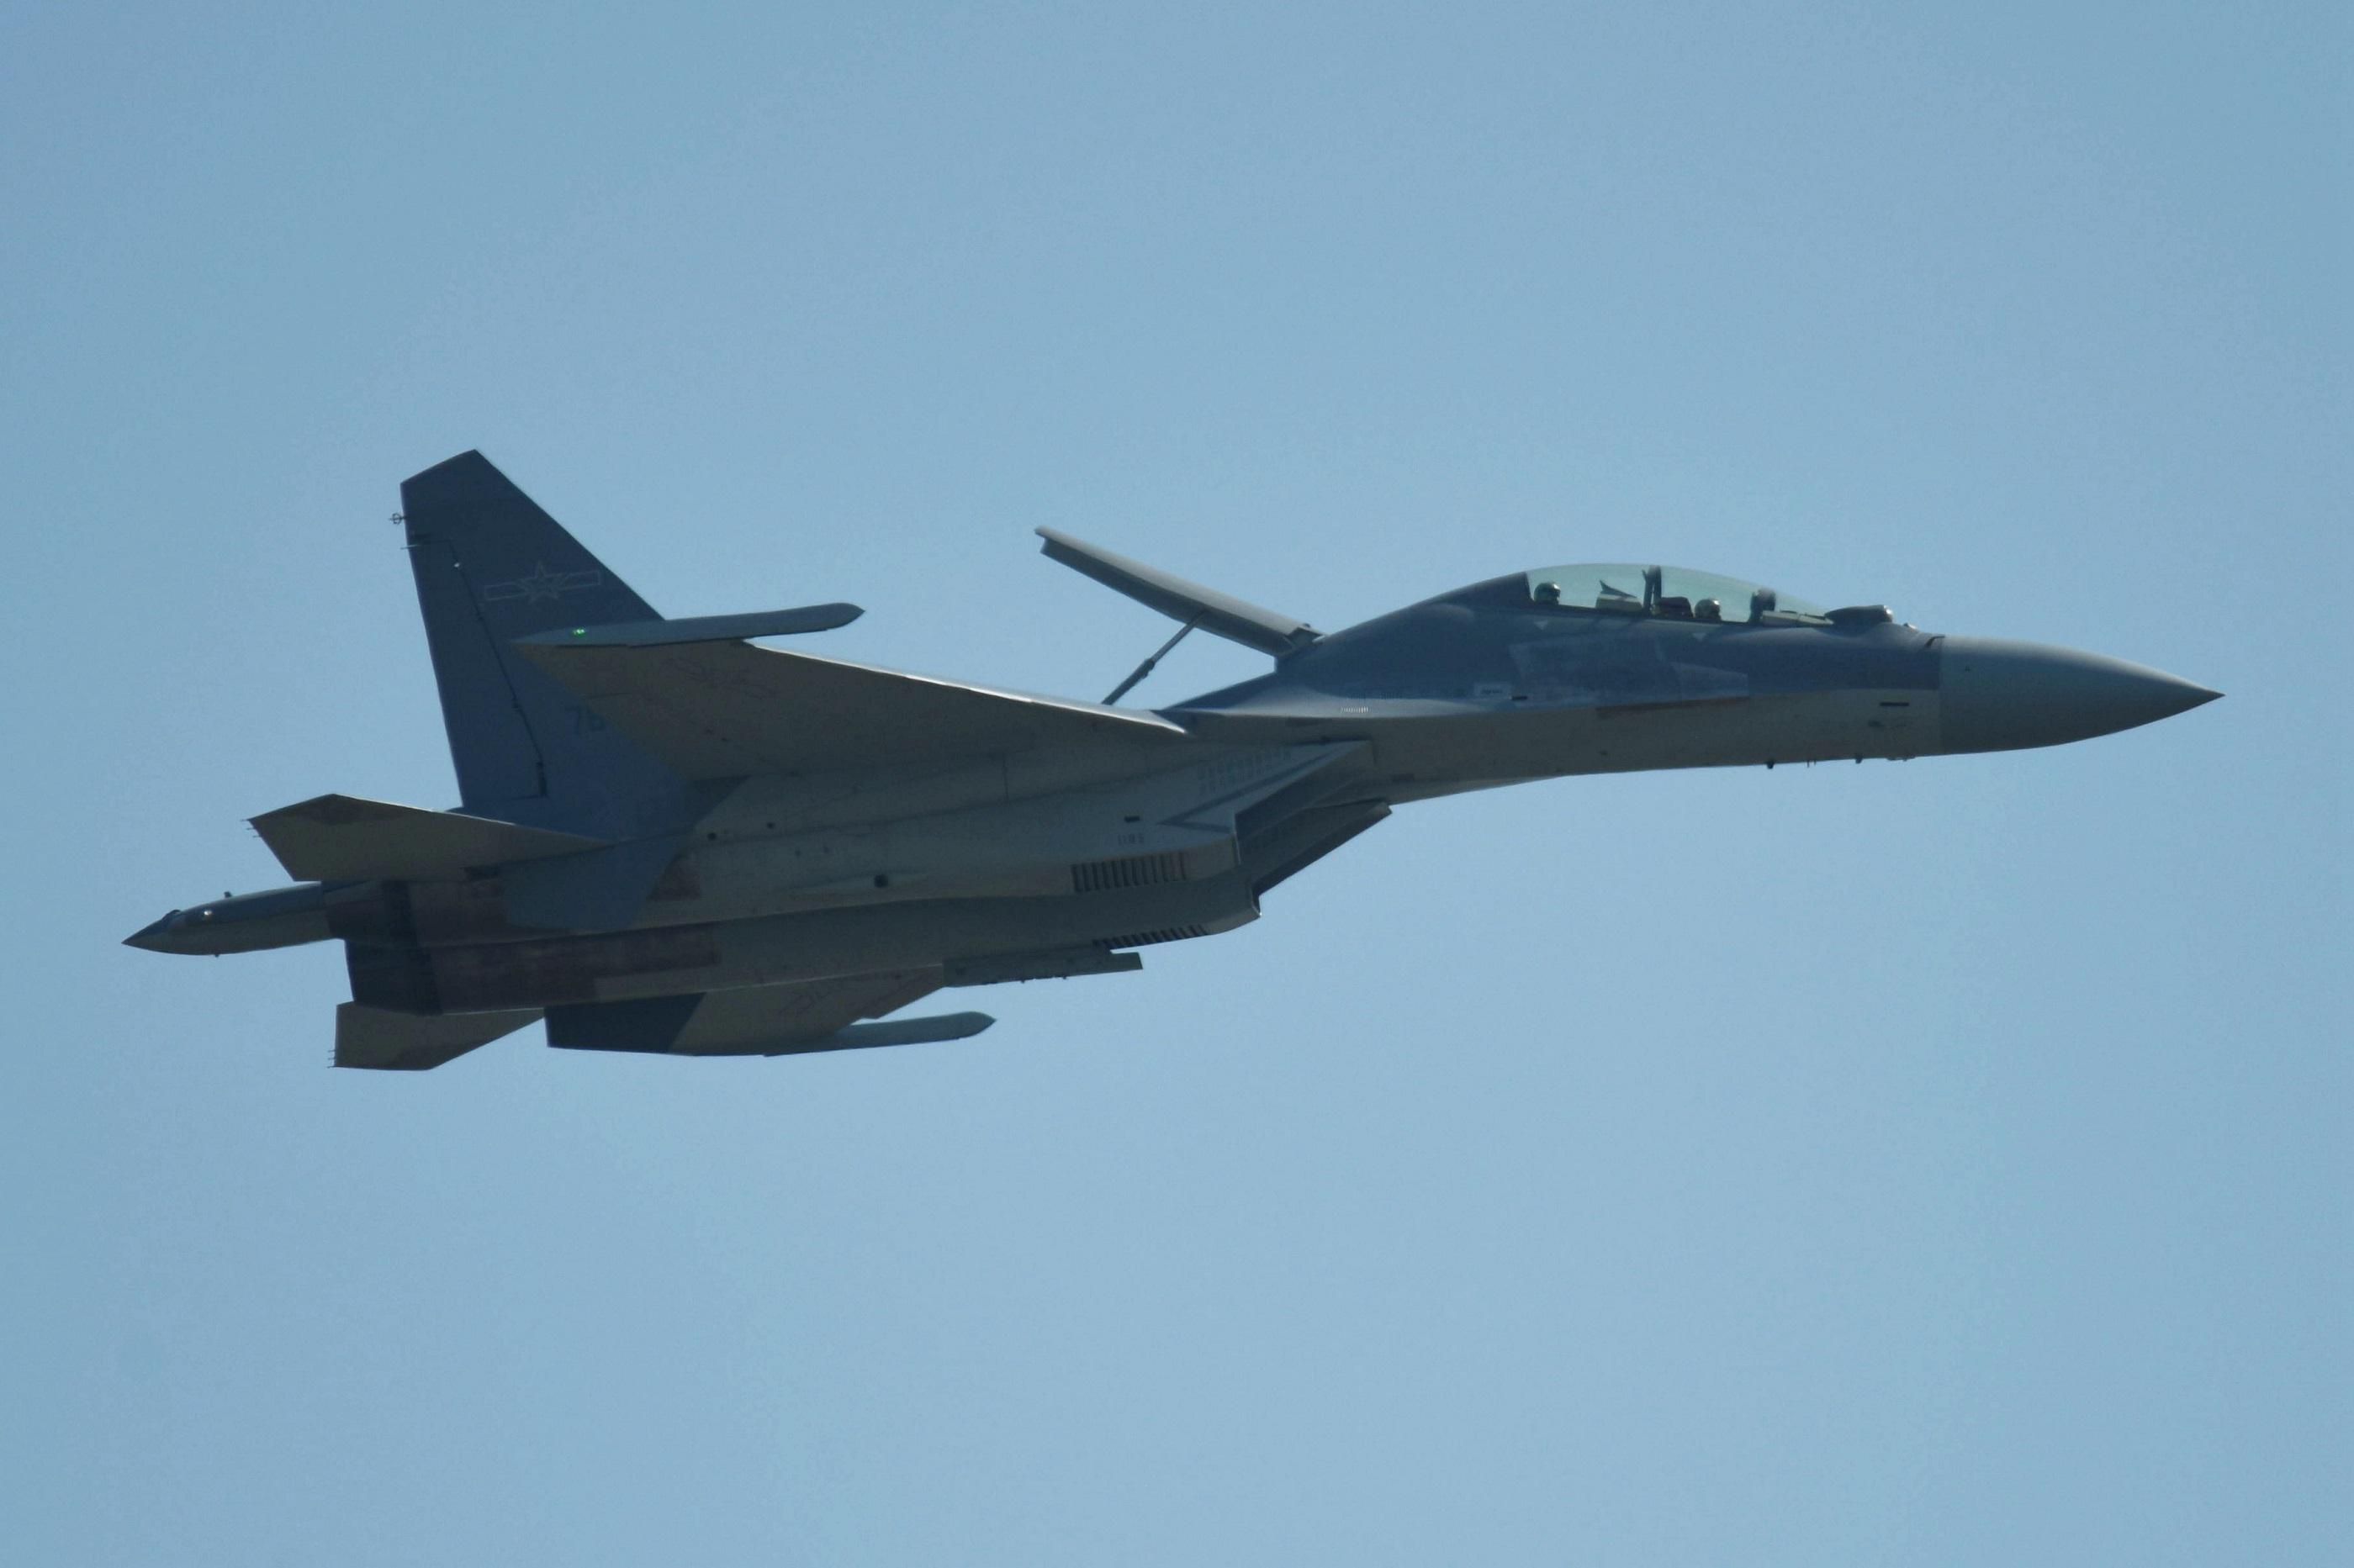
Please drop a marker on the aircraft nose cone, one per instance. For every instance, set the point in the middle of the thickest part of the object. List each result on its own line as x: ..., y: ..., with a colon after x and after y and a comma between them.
x: 1999, y: 696
x: 158, y: 936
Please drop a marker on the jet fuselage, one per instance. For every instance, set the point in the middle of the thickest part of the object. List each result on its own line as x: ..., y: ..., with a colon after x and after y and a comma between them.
x: 825, y: 841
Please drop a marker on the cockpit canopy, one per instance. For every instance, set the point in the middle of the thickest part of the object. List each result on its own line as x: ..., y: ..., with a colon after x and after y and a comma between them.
x: 1669, y: 592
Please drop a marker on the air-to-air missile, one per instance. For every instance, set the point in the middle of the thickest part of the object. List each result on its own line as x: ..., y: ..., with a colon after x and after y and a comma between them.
x: 674, y: 840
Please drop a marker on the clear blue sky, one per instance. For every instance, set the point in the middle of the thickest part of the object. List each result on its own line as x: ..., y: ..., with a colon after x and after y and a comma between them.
x: 1934, y: 1163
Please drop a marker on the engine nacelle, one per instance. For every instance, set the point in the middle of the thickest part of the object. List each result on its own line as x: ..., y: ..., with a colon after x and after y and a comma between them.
x: 520, y: 974
x: 422, y: 914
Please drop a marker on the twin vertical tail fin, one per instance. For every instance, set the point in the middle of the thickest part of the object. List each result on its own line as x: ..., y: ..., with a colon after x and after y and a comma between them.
x: 491, y: 566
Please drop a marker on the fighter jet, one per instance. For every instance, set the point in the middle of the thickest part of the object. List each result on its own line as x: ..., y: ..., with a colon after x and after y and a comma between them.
x: 671, y: 839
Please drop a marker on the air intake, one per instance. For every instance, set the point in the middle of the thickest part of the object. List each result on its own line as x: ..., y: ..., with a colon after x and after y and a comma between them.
x: 1135, y: 871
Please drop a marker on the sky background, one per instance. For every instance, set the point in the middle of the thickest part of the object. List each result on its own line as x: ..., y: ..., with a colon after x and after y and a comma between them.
x: 1934, y: 1163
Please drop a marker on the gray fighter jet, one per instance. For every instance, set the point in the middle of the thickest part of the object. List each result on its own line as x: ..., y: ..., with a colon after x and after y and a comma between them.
x: 672, y: 840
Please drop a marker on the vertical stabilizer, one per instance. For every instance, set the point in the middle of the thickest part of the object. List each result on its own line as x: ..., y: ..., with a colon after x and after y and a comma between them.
x: 491, y: 566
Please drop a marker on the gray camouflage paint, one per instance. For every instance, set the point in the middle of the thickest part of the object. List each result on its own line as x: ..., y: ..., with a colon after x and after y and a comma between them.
x: 764, y: 915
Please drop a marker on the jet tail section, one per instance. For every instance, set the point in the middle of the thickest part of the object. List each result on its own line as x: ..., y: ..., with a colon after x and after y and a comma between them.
x: 491, y: 567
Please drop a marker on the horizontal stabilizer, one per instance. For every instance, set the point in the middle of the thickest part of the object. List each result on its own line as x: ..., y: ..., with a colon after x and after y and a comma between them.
x: 727, y: 710
x: 701, y: 627
x: 1223, y: 615
x: 342, y: 837
x: 403, y: 1042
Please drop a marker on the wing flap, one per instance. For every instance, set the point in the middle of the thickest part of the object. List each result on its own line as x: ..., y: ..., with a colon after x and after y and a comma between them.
x: 727, y: 710
x: 343, y: 838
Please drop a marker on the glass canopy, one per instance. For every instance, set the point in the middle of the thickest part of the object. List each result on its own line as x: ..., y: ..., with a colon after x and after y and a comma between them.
x: 1671, y: 592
